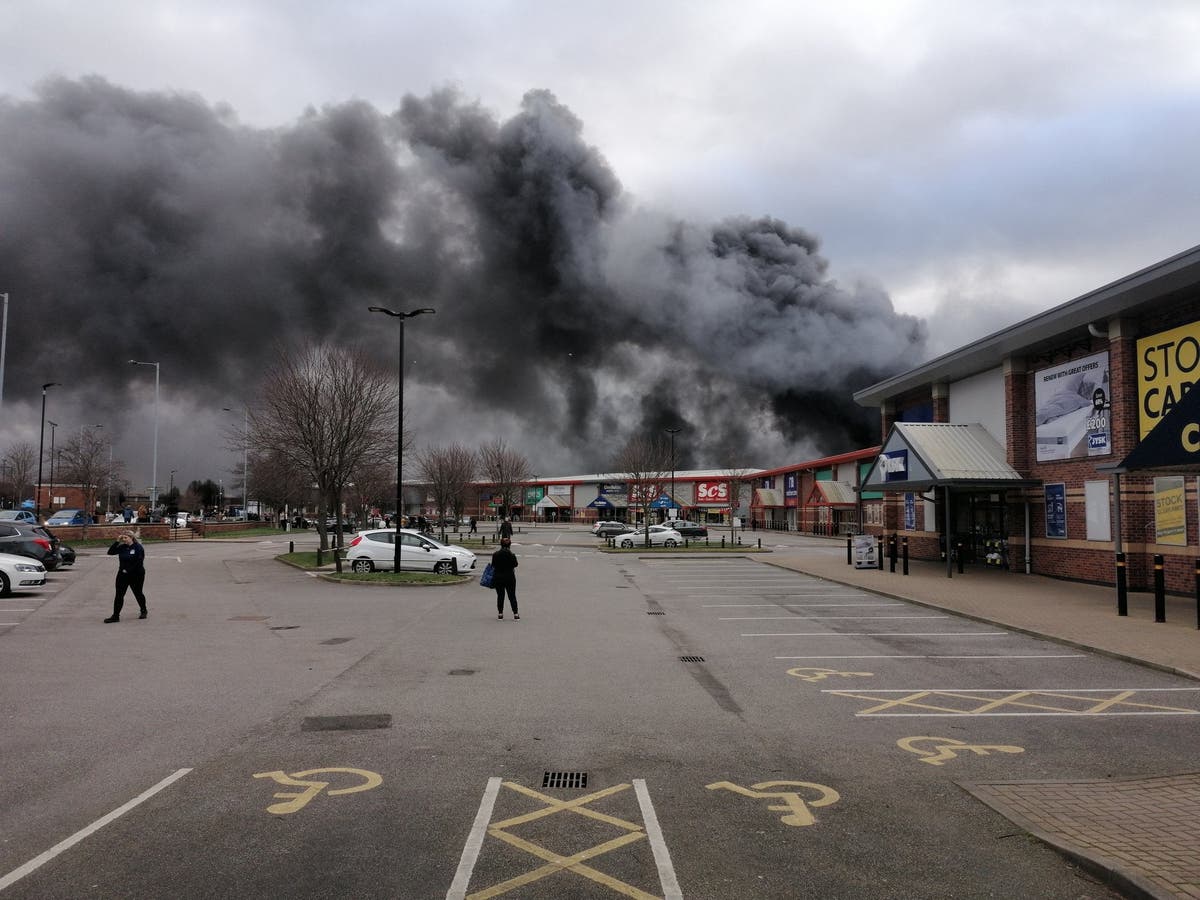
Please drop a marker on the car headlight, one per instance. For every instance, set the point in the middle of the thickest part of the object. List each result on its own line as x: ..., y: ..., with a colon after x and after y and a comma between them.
x: 21, y: 567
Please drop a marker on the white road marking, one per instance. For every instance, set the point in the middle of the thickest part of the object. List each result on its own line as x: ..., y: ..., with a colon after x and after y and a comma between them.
x: 1062, y: 690
x: 829, y: 634
x: 470, y: 854
x: 20, y: 610
x: 9, y: 624
x: 1008, y: 656
x: 38, y: 861
x: 823, y: 618
x: 791, y: 605
x: 666, y: 871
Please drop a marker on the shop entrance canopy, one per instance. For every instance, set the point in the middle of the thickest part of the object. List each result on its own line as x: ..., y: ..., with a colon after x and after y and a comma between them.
x: 920, y: 455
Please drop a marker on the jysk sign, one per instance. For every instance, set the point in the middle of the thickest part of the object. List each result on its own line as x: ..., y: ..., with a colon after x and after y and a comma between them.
x: 894, y: 465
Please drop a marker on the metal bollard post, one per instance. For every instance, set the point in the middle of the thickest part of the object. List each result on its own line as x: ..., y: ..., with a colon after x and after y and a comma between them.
x: 959, y: 554
x: 904, y: 549
x: 849, y: 551
x: 1122, y: 587
x: 1198, y: 593
x: 760, y: 543
x: 291, y: 546
x: 892, y: 554
x: 319, y: 561
x: 1160, y: 590
x: 879, y: 552
x: 722, y: 542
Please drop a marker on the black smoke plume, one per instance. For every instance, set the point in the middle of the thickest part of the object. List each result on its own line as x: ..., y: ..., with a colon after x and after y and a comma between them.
x: 156, y: 226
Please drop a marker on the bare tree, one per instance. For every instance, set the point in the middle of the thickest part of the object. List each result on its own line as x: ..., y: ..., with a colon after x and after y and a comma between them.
x: 85, y: 462
x: 325, y: 411
x: 507, y: 469
x: 449, y: 471
x: 645, y: 463
x: 20, y: 466
x: 373, y: 485
x: 738, y: 481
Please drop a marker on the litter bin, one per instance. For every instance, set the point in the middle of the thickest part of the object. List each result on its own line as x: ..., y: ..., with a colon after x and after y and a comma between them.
x: 864, y: 552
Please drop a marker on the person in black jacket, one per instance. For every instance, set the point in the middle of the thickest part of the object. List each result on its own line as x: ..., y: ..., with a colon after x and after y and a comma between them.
x: 504, y: 577
x: 131, y: 573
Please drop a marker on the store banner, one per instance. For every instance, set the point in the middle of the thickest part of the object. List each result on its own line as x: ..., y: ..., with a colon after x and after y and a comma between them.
x: 1056, y: 510
x: 790, y: 488
x: 712, y: 492
x: 910, y: 512
x: 1168, y: 364
x: 1170, y: 511
x: 1072, y: 406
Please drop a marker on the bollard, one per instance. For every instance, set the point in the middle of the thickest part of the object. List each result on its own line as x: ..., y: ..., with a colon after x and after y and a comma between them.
x: 1122, y: 587
x: 904, y: 550
x: 879, y: 552
x: 892, y: 554
x: 849, y: 551
x: 722, y: 542
x: 1160, y: 590
x: 319, y: 561
x: 291, y: 546
x: 760, y: 543
x: 1198, y: 593
x: 739, y: 537
x: 958, y: 553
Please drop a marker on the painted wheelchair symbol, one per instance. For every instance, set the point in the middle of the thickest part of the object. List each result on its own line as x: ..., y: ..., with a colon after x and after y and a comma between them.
x: 814, y: 674
x: 945, y: 749
x: 297, y: 800
x: 797, y: 809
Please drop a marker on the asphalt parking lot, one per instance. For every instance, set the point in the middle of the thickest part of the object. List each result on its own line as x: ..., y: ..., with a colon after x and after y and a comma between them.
x: 651, y: 727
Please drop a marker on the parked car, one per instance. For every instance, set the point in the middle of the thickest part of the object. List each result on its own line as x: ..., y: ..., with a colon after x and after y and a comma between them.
x: 18, y: 515
x: 66, y: 555
x: 31, y: 541
x: 687, y: 528
x: 70, y: 517
x: 659, y: 535
x: 609, y: 528
x: 375, y: 549
x: 19, y: 572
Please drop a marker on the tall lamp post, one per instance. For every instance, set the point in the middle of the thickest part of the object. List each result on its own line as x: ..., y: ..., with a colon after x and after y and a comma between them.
x: 37, y: 503
x: 154, y: 471
x: 245, y: 459
x: 53, y: 429
x: 400, y: 419
x: 672, y: 432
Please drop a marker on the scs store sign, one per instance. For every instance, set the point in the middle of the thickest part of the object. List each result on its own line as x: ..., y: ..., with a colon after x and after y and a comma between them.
x: 712, y: 492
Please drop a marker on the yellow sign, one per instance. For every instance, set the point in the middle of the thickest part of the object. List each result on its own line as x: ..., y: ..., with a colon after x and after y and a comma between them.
x: 297, y: 800
x: 792, y: 803
x: 1168, y: 364
x: 946, y: 749
x: 1170, y: 511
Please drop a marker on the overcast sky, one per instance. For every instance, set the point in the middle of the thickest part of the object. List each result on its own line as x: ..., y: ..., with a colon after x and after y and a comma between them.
x: 975, y: 162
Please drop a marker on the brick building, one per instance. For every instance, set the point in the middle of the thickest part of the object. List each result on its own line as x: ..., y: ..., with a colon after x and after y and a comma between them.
x: 1015, y: 444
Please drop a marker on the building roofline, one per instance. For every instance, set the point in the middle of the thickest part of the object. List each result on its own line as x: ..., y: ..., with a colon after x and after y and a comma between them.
x: 1119, y: 297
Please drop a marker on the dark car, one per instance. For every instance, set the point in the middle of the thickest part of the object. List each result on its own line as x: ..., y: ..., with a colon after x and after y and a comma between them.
x: 610, y: 529
x: 66, y: 555
x: 29, y: 540
x: 686, y: 528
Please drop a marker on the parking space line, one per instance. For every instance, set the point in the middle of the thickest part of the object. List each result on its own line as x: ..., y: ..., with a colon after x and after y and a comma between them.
x: 792, y: 605
x: 38, y: 861
x: 822, y: 618
x: 930, y: 656
x: 470, y: 854
x: 662, y: 857
x: 832, y: 634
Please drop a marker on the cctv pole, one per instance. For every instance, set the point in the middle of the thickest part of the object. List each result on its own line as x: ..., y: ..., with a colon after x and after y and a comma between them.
x: 3, y: 347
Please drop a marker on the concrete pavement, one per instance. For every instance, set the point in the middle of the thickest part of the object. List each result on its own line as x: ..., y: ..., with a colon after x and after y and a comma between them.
x: 1141, y: 834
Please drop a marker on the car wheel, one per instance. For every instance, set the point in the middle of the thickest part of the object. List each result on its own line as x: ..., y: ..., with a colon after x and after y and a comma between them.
x: 445, y: 567
x: 670, y: 542
x: 362, y: 565
x: 4, y: 585
x: 626, y: 543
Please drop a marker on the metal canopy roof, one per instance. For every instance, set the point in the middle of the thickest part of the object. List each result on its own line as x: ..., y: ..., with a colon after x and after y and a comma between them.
x: 1145, y: 289
x: 940, y: 454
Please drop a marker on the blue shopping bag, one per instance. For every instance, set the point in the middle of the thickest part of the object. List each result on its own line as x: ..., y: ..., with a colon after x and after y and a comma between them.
x: 485, y: 580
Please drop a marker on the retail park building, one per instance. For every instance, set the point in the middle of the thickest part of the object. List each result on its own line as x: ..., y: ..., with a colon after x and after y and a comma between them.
x: 1020, y: 446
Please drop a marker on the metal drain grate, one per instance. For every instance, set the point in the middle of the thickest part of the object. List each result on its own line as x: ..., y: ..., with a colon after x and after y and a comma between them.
x: 462, y: 671
x: 336, y: 641
x: 691, y: 659
x: 564, y: 780
x: 346, y: 723
x: 655, y: 612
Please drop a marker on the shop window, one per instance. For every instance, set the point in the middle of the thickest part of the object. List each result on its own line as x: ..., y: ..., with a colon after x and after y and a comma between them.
x: 1098, y: 510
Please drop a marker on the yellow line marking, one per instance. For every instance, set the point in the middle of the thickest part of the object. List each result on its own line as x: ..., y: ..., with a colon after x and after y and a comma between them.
x: 793, y: 804
x: 948, y: 749
x: 297, y: 800
x: 813, y: 673
x: 1089, y: 705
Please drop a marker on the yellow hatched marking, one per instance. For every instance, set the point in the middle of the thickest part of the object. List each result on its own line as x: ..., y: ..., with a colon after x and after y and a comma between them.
x: 555, y: 862
x: 1089, y: 705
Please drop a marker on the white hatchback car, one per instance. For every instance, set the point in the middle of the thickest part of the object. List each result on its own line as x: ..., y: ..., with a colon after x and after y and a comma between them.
x: 375, y: 549
x: 659, y: 535
x: 20, y: 572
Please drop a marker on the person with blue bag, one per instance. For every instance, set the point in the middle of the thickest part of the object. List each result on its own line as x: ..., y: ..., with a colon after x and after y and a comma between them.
x: 504, y: 577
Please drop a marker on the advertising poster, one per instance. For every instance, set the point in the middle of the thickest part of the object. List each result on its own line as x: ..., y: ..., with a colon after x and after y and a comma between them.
x: 1072, y: 409
x: 910, y: 512
x: 1168, y: 363
x: 1170, y: 511
x: 1056, y: 510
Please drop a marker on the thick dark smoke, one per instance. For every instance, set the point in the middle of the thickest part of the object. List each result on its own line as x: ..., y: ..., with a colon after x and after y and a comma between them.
x: 155, y: 226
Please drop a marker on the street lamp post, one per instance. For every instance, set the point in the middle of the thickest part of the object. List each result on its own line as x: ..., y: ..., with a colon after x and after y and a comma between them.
x: 672, y: 432
x: 154, y: 470
x: 53, y: 428
x: 37, y: 503
x: 245, y: 459
x: 400, y: 419
x: 171, y: 490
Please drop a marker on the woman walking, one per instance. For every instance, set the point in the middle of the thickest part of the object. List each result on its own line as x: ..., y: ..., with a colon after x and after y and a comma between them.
x: 131, y: 572
x: 504, y: 564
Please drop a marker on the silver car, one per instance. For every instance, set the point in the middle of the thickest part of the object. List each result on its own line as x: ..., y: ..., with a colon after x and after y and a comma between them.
x: 659, y: 536
x: 375, y: 550
x: 20, y: 572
